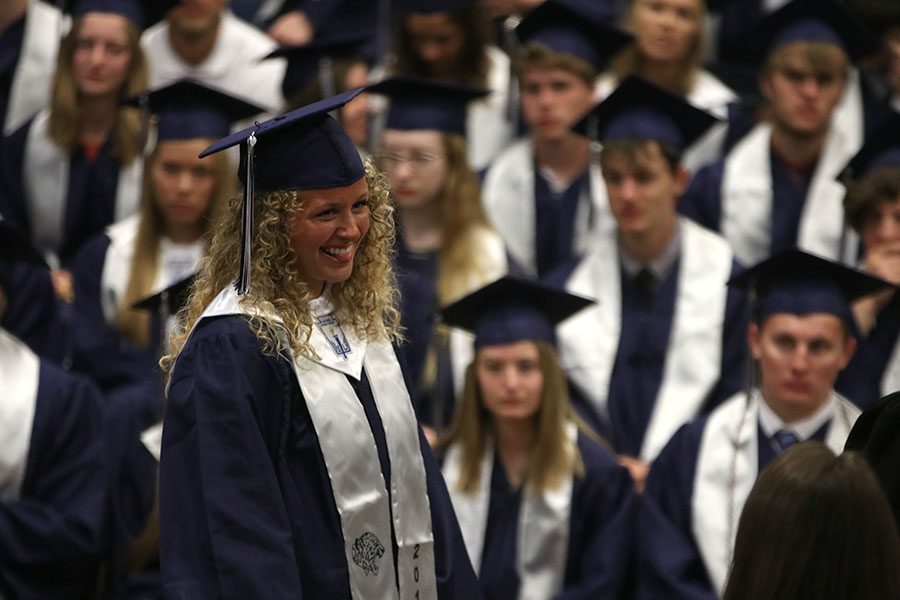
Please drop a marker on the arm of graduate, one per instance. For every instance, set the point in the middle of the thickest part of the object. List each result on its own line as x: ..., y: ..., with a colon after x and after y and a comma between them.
x: 32, y: 314
x: 604, y: 521
x: 669, y: 564
x: 224, y: 528
x: 55, y: 523
x: 701, y: 201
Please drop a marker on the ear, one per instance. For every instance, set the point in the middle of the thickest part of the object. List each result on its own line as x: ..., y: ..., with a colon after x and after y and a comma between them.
x: 753, y: 341
x: 681, y: 180
x: 849, y: 350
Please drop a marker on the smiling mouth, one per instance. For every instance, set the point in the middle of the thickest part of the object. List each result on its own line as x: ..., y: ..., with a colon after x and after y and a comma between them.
x: 342, y: 255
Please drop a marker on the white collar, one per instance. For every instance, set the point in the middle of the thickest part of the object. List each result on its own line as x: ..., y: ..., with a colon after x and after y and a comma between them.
x: 804, y: 428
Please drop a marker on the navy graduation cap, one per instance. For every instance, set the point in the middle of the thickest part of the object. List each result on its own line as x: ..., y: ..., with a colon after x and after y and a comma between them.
x: 882, y: 149
x: 141, y: 12
x: 799, y: 283
x: 189, y: 109
x: 512, y: 310
x: 16, y: 247
x: 304, y: 149
x: 641, y: 110
x: 808, y: 21
x: 418, y: 103
x: 170, y: 300
x: 573, y: 27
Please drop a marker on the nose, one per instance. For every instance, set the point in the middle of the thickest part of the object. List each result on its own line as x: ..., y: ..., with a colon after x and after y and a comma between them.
x: 184, y: 181
x: 626, y: 189
x: 510, y: 378
x: 348, y: 227
x: 430, y: 52
x: 809, y: 86
x: 800, y: 359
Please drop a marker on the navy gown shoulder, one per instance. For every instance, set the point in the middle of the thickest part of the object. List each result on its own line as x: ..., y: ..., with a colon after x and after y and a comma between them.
x: 702, y: 201
x: 32, y: 313
x: 12, y: 161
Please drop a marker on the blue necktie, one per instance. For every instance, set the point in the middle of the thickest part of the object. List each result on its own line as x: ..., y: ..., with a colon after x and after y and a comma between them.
x: 784, y: 439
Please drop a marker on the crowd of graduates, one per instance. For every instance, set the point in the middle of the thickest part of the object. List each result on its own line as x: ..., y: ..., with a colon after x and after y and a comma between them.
x: 630, y: 264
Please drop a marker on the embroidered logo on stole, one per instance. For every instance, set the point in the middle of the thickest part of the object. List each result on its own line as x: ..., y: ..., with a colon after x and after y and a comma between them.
x: 332, y: 332
x: 367, y: 551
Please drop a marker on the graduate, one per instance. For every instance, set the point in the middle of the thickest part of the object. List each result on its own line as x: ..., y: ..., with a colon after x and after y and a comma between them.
x: 542, y: 193
x: 29, y: 41
x: 203, y: 40
x: 803, y: 333
x: 292, y: 465
x: 449, y: 40
x: 664, y: 343
x: 545, y: 509
x: 872, y: 208
x: 75, y: 167
x: 160, y: 245
x: 775, y: 190
x: 51, y: 512
x: 444, y: 245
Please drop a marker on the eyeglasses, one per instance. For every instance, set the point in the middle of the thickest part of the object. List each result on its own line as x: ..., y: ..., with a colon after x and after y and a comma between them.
x: 417, y: 161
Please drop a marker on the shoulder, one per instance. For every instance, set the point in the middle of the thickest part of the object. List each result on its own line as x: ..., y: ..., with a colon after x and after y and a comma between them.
x: 681, y: 450
x: 512, y: 158
x: 713, y: 241
x: 155, y: 35
x: 61, y: 391
x: 709, y: 92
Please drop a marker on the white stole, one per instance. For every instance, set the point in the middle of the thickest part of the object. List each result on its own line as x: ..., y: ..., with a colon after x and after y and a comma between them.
x: 721, y: 444
x: 19, y: 378
x: 890, y: 379
x: 589, y: 341
x: 46, y: 181
x: 30, y: 89
x: 351, y: 458
x: 747, y: 199
x: 508, y: 198
x: 542, y: 539
x: 488, y: 128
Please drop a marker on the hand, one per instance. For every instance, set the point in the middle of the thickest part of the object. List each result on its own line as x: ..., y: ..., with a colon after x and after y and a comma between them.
x: 292, y: 29
x: 638, y: 470
x: 431, y: 435
x: 882, y: 261
x: 62, y: 285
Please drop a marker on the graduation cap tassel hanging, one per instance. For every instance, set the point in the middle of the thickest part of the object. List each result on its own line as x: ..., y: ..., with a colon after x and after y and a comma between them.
x: 247, y: 219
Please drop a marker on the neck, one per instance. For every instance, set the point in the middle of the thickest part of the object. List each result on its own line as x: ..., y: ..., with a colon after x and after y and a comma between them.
x: 514, y: 439
x: 193, y: 49
x: 421, y: 227
x: 669, y: 75
x: 10, y: 12
x: 98, y: 116
x: 183, y: 234
x: 800, y: 150
x: 567, y: 157
x: 647, y: 245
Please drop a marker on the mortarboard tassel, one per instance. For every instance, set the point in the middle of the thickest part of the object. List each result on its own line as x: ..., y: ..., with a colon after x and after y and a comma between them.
x: 247, y: 219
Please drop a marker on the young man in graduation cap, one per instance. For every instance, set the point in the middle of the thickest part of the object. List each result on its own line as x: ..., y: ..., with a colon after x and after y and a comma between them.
x: 775, y: 189
x: 543, y: 194
x: 802, y: 335
x: 203, y: 40
x: 872, y: 208
x: 663, y: 344
x: 52, y: 507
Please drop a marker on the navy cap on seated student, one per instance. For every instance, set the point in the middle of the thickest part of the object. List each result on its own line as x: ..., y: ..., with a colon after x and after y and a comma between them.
x: 292, y: 463
x: 802, y: 335
x: 51, y: 479
x: 872, y: 208
x: 544, y: 508
x: 160, y: 245
x: 542, y: 193
x: 664, y: 344
x: 775, y: 189
x: 445, y: 247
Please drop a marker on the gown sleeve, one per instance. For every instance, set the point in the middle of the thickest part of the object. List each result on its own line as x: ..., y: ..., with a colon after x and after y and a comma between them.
x: 32, y: 314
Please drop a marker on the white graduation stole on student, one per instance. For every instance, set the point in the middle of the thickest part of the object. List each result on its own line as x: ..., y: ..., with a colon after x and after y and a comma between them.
x: 589, y: 341
x: 366, y: 509
x: 19, y: 378
x: 46, y: 182
x: 542, y: 533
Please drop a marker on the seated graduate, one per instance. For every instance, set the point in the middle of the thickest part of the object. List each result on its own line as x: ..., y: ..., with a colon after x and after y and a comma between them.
x: 444, y: 245
x: 75, y: 167
x: 872, y: 208
x: 543, y: 194
x: 810, y: 503
x: 664, y: 344
x: 51, y: 480
x: 544, y: 508
x: 775, y: 189
x: 292, y: 464
x: 802, y: 335
x: 160, y: 245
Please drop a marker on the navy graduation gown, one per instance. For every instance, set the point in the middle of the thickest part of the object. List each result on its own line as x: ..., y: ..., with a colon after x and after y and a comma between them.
x: 554, y: 221
x: 246, y: 505
x: 10, y: 50
x: 98, y: 349
x: 32, y: 314
x: 90, y: 194
x: 860, y: 382
x: 50, y: 536
x: 601, y: 530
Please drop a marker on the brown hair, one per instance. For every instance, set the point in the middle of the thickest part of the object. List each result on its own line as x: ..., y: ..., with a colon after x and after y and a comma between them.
x: 135, y: 324
x: 312, y: 91
x: 634, y: 150
x: 535, y: 55
x: 881, y: 186
x: 815, y: 526
x: 823, y: 57
x: 475, y: 25
x: 550, y: 462
x: 65, y: 102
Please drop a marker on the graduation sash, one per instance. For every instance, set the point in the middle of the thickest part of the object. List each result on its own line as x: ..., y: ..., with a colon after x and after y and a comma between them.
x: 487, y: 127
x: 721, y: 444
x: 351, y: 457
x: 589, y: 341
x: 508, y: 197
x: 30, y: 87
x: 542, y: 539
x: 747, y: 198
x: 47, y: 184
x: 890, y: 379
x: 19, y: 378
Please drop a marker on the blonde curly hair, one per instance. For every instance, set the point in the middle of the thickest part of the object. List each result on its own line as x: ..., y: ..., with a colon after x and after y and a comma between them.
x: 365, y: 302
